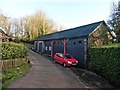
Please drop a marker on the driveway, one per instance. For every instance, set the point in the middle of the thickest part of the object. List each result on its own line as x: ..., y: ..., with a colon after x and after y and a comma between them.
x: 44, y: 73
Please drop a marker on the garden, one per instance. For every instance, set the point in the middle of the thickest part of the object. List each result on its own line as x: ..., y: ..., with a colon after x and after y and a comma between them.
x: 14, y: 62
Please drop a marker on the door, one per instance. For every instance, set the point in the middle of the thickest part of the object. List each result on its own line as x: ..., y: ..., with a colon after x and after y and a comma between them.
x: 40, y: 47
x: 61, y: 59
x: 47, y: 49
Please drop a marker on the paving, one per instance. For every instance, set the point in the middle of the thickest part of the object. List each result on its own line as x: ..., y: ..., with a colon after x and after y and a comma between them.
x: 44, y: 73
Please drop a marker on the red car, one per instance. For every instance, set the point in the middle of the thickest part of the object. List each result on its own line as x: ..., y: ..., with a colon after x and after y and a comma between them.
x: 65, y: 59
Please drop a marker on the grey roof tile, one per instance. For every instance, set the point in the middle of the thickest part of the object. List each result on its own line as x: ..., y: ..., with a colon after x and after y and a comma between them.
x: 72, y: 33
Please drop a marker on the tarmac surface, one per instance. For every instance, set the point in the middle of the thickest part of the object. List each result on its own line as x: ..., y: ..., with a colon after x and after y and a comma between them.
x: 44, y: 73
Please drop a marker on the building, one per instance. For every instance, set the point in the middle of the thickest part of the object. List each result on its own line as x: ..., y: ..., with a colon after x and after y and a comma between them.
x: 3, y: 37
x: 74, y: 41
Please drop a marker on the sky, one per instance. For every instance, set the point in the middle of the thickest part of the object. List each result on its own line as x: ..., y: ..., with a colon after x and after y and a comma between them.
x: 67, y: 13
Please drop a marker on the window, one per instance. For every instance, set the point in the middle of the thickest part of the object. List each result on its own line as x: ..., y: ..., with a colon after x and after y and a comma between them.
x: 74, y: 43
x: 49, y: 48
x: 57, y: 55
x: 68, y: 56
x: 60, y: 55
x: 46, y: 48
x: 80, y: 42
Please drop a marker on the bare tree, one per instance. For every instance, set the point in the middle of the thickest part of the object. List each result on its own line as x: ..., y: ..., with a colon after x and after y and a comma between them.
x: 114, y: 21
x: 16, y: 27
x: 37, y: 25
x: 33, y: 26
x: 4, y: 23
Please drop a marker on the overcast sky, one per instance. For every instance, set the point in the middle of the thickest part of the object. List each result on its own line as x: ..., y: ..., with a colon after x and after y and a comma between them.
x: 69, y: 13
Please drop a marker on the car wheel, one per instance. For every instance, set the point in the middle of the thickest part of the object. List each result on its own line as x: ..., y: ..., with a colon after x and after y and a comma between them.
x: 64, y: 64
x: 54, y: 61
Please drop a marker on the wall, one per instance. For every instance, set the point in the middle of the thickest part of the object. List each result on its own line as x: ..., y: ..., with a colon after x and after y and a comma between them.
x: 77, y: 47
x: 3, y: 37
x: 100, y: 36
x: 47, y: 47
x: 58, y: 47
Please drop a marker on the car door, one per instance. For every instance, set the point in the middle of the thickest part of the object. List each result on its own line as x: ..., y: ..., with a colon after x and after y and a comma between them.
x: 57, y: 57
x: 61, y: 58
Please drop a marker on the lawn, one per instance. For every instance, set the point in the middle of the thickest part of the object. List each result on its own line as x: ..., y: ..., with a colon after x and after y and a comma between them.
x: 12, y: 73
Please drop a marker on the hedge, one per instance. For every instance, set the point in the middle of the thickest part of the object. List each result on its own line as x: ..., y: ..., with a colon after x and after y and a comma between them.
x: 106, y: 62
x: 13, y: 50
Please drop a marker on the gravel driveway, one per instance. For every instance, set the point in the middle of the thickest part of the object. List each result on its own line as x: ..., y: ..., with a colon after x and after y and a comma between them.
x: 44, y: 73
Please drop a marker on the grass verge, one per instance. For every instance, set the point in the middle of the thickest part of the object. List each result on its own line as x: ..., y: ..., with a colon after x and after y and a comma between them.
x: 11, y: 74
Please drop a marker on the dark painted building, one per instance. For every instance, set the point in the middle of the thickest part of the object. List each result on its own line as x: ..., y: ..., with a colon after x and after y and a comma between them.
x: 74, y: 41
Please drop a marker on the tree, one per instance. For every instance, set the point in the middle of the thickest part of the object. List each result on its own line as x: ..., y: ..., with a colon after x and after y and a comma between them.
x: 29, y: 27
x: 4, y: 23
x: 114, y: 21
x: 37, y: 25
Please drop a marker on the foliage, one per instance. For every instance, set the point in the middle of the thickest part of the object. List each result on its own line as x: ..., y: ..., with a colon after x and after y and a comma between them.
x: 4, y: 22
x: 12, y: 50
x: 16, y: 40
x: 114, y: 21
x: 111, y: 45
x: 30, y: 27
x: 12, y: 74
x: 33, y: 26
x: 105, y: 60
x: 27, y: 41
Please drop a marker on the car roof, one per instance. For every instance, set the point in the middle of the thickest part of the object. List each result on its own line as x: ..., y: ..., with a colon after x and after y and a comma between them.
x: 63, y: 53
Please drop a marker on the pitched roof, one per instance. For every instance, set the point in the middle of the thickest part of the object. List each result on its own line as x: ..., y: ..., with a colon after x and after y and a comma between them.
x: 1, y: 31
x: 72, y: 33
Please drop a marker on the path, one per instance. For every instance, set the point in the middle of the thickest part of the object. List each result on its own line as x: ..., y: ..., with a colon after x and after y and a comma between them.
x: 44, y: 73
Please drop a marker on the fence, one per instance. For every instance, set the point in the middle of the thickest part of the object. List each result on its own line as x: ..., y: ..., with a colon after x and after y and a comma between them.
x: 13, y: 62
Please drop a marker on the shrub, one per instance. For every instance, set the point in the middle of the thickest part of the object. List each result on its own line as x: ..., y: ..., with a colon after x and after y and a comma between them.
x: 105, y: 61
x: 12, y: 50
x: 27, y: 41
x: 16, y: 40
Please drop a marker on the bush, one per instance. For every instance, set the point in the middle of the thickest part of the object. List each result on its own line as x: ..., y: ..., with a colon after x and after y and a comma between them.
x: 27, y: 41
x: 12, y: 50
x: 105, y: 61
x: 16, y: 40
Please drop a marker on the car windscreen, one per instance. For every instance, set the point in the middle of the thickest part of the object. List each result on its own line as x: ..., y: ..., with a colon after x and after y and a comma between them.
x: 68, y: 56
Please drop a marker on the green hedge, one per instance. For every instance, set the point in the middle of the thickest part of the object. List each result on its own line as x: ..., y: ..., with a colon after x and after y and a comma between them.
x: 105, y: 61
x: 13, y: 50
